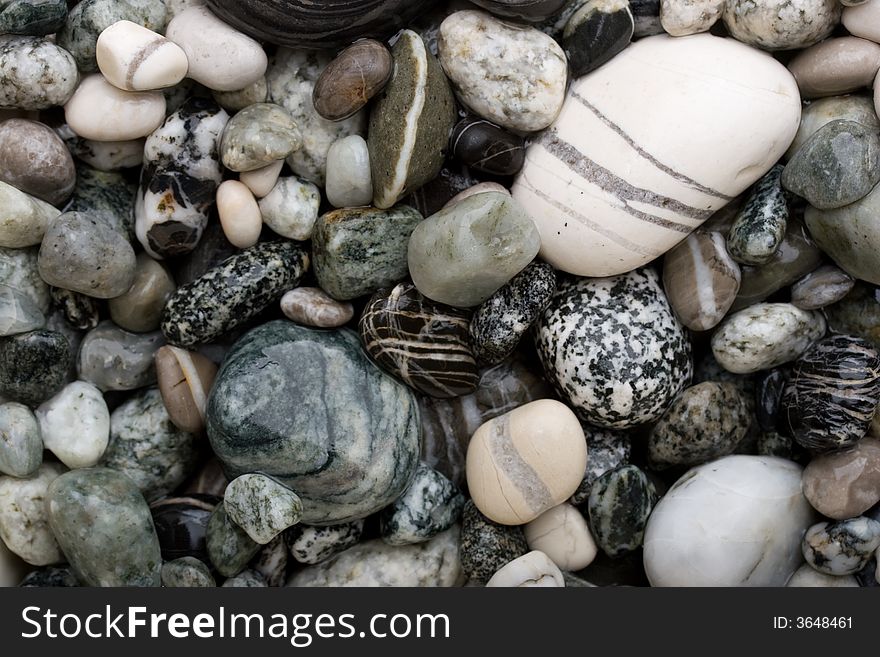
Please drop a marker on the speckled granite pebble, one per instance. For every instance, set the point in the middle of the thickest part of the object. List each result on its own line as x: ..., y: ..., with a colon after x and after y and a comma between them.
x: 781, y: 24
x: 261, y: 506
x: 312, y: 545
x: 487, y: 546
x: 431, y: 504
x: 759, y: 227
x: 186, y: 572
x: 33, y: 365
x: 35, y: 74
x: 619, y: 506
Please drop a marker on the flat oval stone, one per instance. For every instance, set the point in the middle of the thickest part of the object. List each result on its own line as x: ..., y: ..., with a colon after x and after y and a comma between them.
x: 422, y: 343
x: 185, y: 379
x: 311, y: 306
x: 485, y: 147
x: 820, y: 288
x: 737, y: 521
x: 239, y: 214
x: 684, y: 17
x: 101, y: 112
x: 133, y: 58
x: 580, y: 344
x: 231, y: 294
x: 759, y: 227
x: 487, y: 546
x: 843, y: 547
x: 140, y: 309
x: 114, y: 359
x: 182, y: 524
x: 836, y: 66
x: 369, y: 420
x: 534, y: 569
x: 35, y: 160
x: 33, y: 365
x: 23, y: 218
x: 431, y: 504
x: 35, y: 74
x: 822, y: 111
x: 610, y: 191
x: 781, y: 24
x: 258, y: 135
x: 24, y: 522
x: 104, y: 528
x: 765, y: 335
x: 596, y: 33
x: 21, y: 446
x: 186, y: 572
x: 32, y: 18
x: 291, y: 208
x: 75, y: 425
x: 619, y: 506
x: 358, y: 73
x: 229, y: 547
x: 312, y: 545
x: 349, y: 178
x: 832, y: 394
x: 465, y: 253
x: 563, y: 535
x: 261, y: 506
x: 845, y: 483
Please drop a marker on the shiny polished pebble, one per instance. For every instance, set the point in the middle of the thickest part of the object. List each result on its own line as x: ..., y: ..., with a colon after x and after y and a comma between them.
x: 563, y: 535
x: 684, y: 17
x: 311, y: 306
x: 486, y: 547
x: 647, y: 17
x: 261, y: 506
x: 534, y: 569
x: 21, y: 445
x: 773, y: 25
x: 112, y: 358
x: 422, y: 343
x: 291, y: 208
x: 861, y: 21
x: 23, y: 218
x: 485, y: 147
x: 33, y: 365
x: 239, y: 214
x: 823, y: 287
x: 311, y: 545
x: 597, y: 32
x: 836, y: 66
x: 133, y: 58
x: 32, y: 18
x: 843, y: 547
x: 619, y: 506
x: 349, y: 177
x: 845, y: 483
x: 181, y: 525
x: 758, y: 229
x: 140, y: 309
x: 185, y: 379
x: 187, y: 572
x: 257, y: 136
x: 24, y: 522
x: 358, y: 73
x: 102, y: 112
x: 35, y: 74
x: 75, y: 425
x: 768, y: 395
x: 34, y: 159
x: 430, y: 505
x: 229, y: 546
x: 263, y: 180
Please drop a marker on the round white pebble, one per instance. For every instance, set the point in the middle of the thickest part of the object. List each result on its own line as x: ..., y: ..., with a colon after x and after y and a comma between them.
x: 75, y: 425
x: 261, y: 181
x: 101, y: 112
x: 134, y: 58
x: 239, y: 214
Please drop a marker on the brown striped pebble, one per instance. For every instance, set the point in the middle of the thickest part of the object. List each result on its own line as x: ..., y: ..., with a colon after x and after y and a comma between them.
x: 311, y: 306
x: 701, y: 280
x: 134, y: 58
x: 239, y: 213
x: 349, y: 82
x: 185, y: 379
x: 525, y: 462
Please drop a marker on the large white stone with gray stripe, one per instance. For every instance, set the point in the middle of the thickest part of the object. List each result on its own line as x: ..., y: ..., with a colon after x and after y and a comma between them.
x: 650, y: 145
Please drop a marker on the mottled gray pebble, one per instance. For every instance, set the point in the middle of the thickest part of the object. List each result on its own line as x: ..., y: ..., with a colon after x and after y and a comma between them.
x: 261, y: 506
x: 21, y: 447
x: 431, y: 504
x: 187, y: 572
x: 619, y: 506
x: 606, y: 451
x: 115, y: 359
x: 487, y: 546
x: 229, y: 547
x: 759, y: 226
x: 258, y: 136
x: 311, y: 545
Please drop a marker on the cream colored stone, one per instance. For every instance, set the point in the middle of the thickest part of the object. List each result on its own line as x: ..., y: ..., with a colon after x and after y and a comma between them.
x: 864, y: 20
x: 807, y: 576
x: 101, y: 112
x: 239, y: 214
x: 23, y: 218
x: 836, y: 66
x: 24, y: 521
x: 134, y: 58
x: 349, y: 181
x: 532, y: 570
x: 261, y: 181
x: 563, y: 535
x: 525, y: 462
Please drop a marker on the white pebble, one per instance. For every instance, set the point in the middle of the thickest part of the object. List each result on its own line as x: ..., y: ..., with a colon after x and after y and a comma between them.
x: 101, y: 112
x: 528, y: 571
x: 75, y: 425
x: 134, y: 58
x: 239, y: 214
x: 563, y: 535
x: 349, y: 180
x: 291, y: 208
x: 262, y: 181
x: 24, y: 520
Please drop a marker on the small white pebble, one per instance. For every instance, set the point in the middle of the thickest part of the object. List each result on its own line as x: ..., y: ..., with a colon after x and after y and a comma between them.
x: 261, y: 181
x: 239, y: 214
x: 134, y: 58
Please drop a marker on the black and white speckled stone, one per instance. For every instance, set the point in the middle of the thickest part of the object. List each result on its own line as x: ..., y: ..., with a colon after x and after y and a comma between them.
x: 759, y: 227
x: 311, y: 545
x: 768, y: 396
x: 842, y: 547
x: 246, y: 579
x: 114, y: 359
x: 705, y: 422
x: 53, y: 576
x: 81, y: 312
x: 229, y: 547
x: 232, y: 293
x: 35, y: 74
x: 613, y: 348
x: 596, y: 33
x: 487, y: 546
x: 832, y: 394
x: 308, y: 408
x: 619, y: 506
x: 606, y: 450
x: 423, y: 343
x: 33, y: 365
x: 272, y: 562
x: 182, y: 524
x: 147, y: 447
x: 32, y: 18
x: 261, y: 506
x: 430, y: 505
x: 500, y: 322
x: 187, y: 572
x: 821, y: 288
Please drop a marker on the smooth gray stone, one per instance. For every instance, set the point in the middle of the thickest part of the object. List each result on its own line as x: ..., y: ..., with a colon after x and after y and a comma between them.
x: 114, y: 359
x: 21, y: 447
x: 820, y: 288
x: 619, y: 506
x: 229, y: 547
x: 431, y: 504
x: 311, y: 545
x: 187, y: 572
x: 261, y: 506
x: 104, y: 528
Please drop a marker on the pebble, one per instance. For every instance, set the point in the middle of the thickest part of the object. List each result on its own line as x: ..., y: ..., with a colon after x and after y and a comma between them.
x: 600, y: 186
x: 239, y: 214
x: 759, y: 227
x: 845, y: 483
x: 807, y: 576
x: 78, y: 311
x: 608, y: 451
x: 837, y: 166
x: 512, y: 75
x: 229, y: 295
x: 147, y: 448
x: 486, y: 148
x: 35, y: 74
x: 18, y: 313
x: 843, y: 547
x: 858, y: 314
x: 619, y: 506
x: 281, y: 417
x: 464, y: 254
x: 313, y: 545
x: 357, y: 251
x: 861, y: 21
x: 104, y: 155
x: 101, y: 112
x: 430, y: 505
x: 647, y: 17
x: 311, y: 306
x: 596, y: 33
x: 832, y: 394
x: 525, y: 462
x: 33, y: 18
x: 779, y: 24
x: 820, y: 288
x: 25, y: 297
x: 347, y: 84
x: 258, y: 136
x: 185, y: 379
x: 33, y: 365
x: 220, y: 57
x: 434, y: 563
x: 768, y: 395
x: 133, y: 58
x: 75, y: 425
x: 706, y: 421
x: 822, y: 111
x: 701, y: 280
x: 24, y: 525
x: 586, y: 340
x: 291, y: 78
x: 35, y: 160
x: 104, y: 528
x: 229, y: 546
x: 23, y: 218
x: 765, y: 335
x: 684, y: 17
x: 115, y: 359
x: 246, y: 579
x: 235, y: 101
x: 263, y: 180
x: 187, y: 572
x: 271, y: 563
x: 534, y: 569
x: 836, y: 66
x: 410, y: 123
x: 528, y: 10
x: 563, y: 535
x: 108, y: 193
x: 486, y: 547
x: 737, y: 521
x: 21, y: 445
x: 291, y: 208
x: 51, y: 576
x: 140, y: 309
x: 349, y: 179
x: 182, y: 525
x: 422, y: 343
x: 261, y: 506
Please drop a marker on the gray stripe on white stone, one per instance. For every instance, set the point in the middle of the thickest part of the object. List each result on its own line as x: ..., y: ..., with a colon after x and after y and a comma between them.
x: 508, y: 460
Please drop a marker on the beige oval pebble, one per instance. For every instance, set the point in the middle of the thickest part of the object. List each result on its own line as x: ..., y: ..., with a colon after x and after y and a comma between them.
x: 845, y: 484
x: 525, y: 462
x: 140, y: 309
x: 101, y: 112
x: 262, y: 181
x: 863, y: 20
x: 134, y: 58
x: 239, y: 214
x: 836, y: 66
x: 185, y: 379
x: 532, y: 570
x: 479, y: 188
x: 563, y: 535
x: 311, y: 306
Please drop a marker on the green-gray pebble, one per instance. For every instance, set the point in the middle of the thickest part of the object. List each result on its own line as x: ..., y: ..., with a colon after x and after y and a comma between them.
x: 32, y: 17
x: 187, y: 572
x: 258, y: 136
x: 246, y: 579
x: 619, y: 506
x: 33, y: 365
x: 111, y: 358
x: 107, y: 193
x: 759, y: 227
x: 35, y: 74
x: 104, y: 528
x: 21, y: 446
x: 229, y: 547
x: 261, y: 506
x: 24, y: 296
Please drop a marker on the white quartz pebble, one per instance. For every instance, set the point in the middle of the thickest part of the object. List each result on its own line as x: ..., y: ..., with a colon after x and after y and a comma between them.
x: 75, y: 425
x: 24, y: 520
x: 220, y: 57
x: 239, y: 214
x: 531, y: 570
x: 563, y: 535
x: 262, y: 181
x: 134, y: 58
x: 349, y: 180
x: 101, y: 112
x: 291, y: 208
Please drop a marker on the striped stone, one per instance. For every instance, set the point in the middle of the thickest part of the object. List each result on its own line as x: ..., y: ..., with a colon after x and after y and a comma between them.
x: 622, y: 177
x: 424, y: 344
